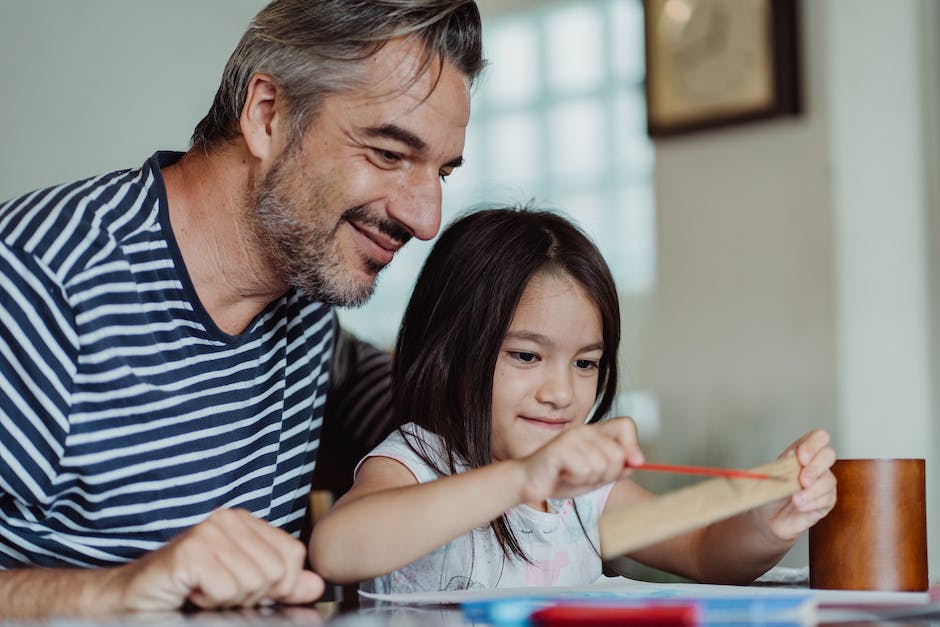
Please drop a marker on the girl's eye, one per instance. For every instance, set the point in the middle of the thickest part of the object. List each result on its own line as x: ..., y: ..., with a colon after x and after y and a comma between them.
x: 526, y: 358
x: 585, y: 364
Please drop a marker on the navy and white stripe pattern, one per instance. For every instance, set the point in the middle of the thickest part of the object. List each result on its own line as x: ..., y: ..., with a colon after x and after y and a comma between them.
x: 126, y: 415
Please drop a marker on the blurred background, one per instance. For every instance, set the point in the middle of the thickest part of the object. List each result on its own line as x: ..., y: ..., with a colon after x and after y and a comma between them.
x: 775, y: 276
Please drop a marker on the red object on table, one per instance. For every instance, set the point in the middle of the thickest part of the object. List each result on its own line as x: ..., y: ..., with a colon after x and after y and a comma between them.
x: 563, y: 615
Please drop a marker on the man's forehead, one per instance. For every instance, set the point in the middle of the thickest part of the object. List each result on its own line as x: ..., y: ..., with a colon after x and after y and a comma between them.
x: 403, y: 69
x: 443, y: 97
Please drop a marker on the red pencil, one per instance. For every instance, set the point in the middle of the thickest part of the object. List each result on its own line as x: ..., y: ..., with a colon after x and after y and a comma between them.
x: 702, y: 470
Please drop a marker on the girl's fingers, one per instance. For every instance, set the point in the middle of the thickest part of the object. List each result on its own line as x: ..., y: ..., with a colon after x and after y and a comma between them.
x: 819, y: 468
x: 809, y: 445
x: 590, y: 455
x: 623, y: 430
x: 822, y: 491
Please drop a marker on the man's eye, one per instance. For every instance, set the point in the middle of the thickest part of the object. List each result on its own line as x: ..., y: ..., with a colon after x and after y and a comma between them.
x: 387, y: 156
x: 585, y: 364
x: 526, y: 358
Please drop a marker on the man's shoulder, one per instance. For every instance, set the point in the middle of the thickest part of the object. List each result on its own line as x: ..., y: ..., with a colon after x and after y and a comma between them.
x: 60, y: 224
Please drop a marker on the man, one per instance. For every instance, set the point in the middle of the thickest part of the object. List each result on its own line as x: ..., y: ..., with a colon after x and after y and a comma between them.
x: 166, y: 332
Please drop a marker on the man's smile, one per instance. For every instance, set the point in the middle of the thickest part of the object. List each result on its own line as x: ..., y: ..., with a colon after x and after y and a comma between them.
x: 378, y: 247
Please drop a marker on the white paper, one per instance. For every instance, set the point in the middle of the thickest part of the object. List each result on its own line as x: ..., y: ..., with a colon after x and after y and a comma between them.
x: 633, y: 589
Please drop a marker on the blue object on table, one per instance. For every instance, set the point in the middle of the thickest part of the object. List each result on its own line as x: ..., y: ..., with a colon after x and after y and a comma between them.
x: 510, y: 612
x: 757, y: 609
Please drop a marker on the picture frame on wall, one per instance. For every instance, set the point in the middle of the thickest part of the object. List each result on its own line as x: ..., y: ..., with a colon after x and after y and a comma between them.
x: 713, y: 63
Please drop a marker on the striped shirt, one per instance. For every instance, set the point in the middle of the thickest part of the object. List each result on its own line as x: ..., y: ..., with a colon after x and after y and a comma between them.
x: 126, y: 415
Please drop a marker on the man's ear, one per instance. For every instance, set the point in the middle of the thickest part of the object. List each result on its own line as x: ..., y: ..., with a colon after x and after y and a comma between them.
x: 258, y: 120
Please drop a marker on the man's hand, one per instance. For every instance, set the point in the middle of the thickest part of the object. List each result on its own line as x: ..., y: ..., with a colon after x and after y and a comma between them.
x: 232, y: 559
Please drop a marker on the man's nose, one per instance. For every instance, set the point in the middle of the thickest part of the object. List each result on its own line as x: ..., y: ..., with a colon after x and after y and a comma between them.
x: 417, y: 206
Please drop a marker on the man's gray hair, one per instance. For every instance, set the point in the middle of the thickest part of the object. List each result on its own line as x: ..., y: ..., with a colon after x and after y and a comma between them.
x: 313, y: 48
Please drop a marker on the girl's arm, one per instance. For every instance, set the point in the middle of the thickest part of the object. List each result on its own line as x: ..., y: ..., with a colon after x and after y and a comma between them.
x: 741, y: 548
x: 388, y: 519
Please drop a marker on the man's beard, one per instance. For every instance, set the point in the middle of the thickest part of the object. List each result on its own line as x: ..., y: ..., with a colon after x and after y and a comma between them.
x: 308, y: 258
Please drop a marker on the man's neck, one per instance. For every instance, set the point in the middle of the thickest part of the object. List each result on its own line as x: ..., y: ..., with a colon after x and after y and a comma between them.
x: 209, y: 201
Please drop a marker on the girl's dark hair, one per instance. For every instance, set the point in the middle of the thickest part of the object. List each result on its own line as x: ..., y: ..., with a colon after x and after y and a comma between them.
x: 458, y: 315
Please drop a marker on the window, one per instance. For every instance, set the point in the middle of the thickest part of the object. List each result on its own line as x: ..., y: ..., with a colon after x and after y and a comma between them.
x: 558, y: 117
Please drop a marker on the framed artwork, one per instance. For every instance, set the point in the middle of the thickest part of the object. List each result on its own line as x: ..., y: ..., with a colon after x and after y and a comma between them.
x: 713, y: 63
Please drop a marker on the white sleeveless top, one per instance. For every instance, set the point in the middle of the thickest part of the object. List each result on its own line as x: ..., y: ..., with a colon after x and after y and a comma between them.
x: 560, y: 552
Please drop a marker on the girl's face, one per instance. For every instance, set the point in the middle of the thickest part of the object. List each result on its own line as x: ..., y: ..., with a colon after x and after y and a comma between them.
x: 546, y: 372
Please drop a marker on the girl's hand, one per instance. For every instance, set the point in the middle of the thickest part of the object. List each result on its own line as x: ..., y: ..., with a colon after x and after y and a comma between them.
x: 580, y: 459
x: 790, y: 516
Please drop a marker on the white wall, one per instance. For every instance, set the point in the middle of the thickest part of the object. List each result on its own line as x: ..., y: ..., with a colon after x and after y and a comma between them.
x: 794, y: 288
x: 744, y: 324
x: 879, y: 200
x: 98, y: 85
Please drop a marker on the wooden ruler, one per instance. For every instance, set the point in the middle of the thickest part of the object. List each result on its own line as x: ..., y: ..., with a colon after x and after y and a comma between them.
x: 651, y: 521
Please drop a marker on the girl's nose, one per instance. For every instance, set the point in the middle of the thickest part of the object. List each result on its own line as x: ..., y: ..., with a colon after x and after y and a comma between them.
x: 557, y: 388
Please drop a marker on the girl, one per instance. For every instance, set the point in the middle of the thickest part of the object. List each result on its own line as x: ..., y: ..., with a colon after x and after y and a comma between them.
x: 497, y: 475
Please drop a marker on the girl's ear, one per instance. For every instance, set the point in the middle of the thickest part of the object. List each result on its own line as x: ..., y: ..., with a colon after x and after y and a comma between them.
x: 260, y: 118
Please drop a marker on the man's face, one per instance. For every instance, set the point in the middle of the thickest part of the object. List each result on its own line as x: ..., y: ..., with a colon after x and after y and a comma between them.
x: 365, y: 178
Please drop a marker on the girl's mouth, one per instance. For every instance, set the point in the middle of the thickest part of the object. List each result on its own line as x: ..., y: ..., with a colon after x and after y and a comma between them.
x: 545, y: 422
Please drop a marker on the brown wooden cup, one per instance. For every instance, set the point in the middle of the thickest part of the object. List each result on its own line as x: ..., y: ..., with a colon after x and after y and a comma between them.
x: 875, y: 538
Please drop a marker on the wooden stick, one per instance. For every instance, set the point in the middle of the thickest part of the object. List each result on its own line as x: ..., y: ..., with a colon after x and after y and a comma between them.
x: 701, y: 470
x: 648, y: 522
